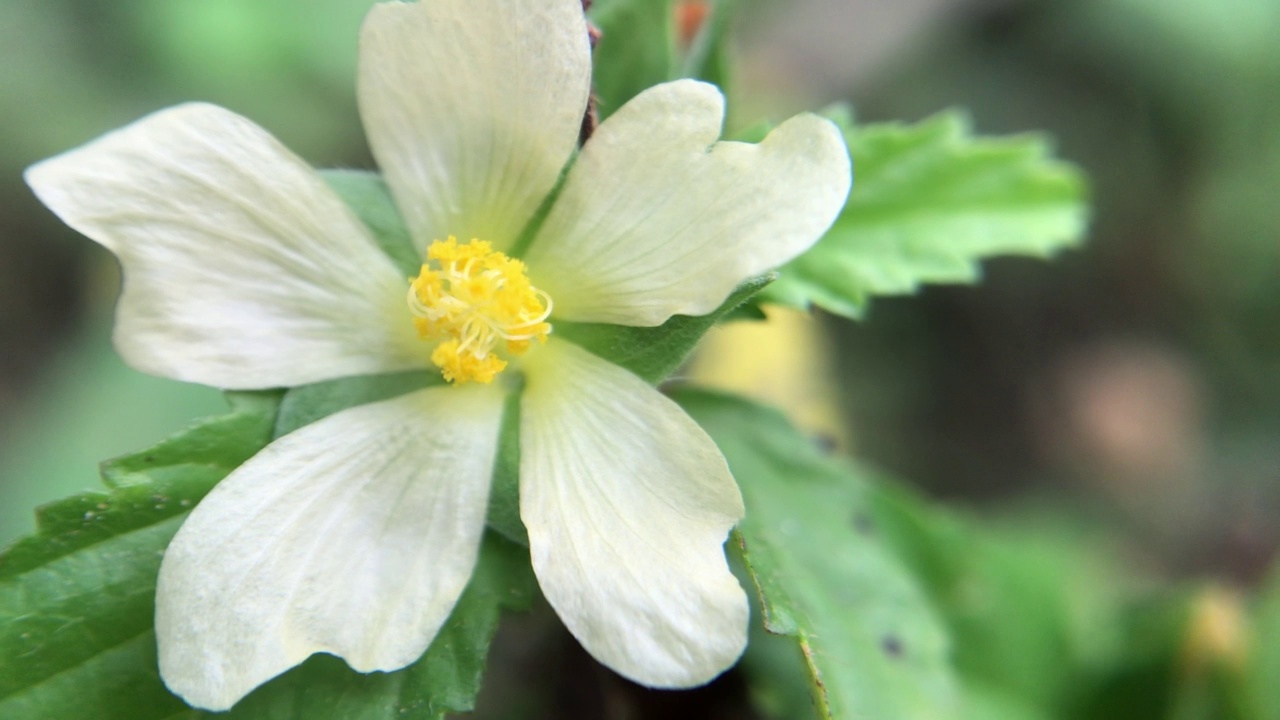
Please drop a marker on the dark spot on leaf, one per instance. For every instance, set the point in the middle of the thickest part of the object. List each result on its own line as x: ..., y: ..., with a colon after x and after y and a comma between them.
x: 826, y: 444
x: 148, y: 458
x: 892, y: 646
x: 863, y: 523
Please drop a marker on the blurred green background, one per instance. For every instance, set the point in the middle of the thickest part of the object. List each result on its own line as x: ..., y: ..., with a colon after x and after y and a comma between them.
x: 1132, y: 386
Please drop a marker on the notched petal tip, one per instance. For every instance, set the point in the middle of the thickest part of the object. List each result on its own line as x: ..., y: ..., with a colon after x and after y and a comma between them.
x: 628, y: 503
x: 315, y: 545
x: 659, y: 217
x: 819, y: 141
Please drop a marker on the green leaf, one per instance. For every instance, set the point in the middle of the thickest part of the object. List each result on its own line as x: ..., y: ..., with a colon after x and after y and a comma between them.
x: 504, y: 492
x: 1032, y: 607
x: 84, y: 384
x: 929, y: 202
x: 653, y: 353
x: 306, y: 404
x: 872, y: 646
x: 367, y: 194
x: 77, y: 600
x: 150, y: 486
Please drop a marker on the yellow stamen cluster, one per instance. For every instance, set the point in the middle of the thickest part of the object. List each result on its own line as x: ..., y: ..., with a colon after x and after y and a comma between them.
x: 473, y: 298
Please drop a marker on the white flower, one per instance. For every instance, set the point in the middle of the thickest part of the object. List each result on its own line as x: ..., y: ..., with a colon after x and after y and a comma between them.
x: 355, y: 535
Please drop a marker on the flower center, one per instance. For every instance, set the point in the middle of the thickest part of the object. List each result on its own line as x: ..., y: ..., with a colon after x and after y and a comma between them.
x: 471, y: 297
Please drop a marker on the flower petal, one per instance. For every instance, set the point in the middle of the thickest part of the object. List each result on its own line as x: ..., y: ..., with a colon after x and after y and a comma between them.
x: 628, y: 503
x: 656, y: 218
x: 242, y: 268
x: 353, y: 536
x: 472, y: 108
